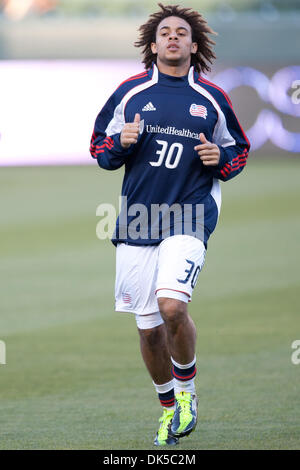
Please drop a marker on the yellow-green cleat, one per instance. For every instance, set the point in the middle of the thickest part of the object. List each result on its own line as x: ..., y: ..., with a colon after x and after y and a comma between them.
x: 185, y: 417
x: 163, y: 436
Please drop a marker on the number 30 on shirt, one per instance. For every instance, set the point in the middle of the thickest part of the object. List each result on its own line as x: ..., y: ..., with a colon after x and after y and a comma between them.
x: 170, y: 157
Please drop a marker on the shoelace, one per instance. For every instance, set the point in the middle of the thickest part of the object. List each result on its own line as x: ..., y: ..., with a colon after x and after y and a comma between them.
x: 165, y: 420
x: 184, y: 401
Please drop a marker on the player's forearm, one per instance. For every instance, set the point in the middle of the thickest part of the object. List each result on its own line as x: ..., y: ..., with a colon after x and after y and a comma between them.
x: 109, y: 161
x: 232, y: 161
x: 109, y: 152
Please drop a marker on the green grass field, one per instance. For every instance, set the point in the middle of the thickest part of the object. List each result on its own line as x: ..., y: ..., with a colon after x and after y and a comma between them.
x: 74, y: 378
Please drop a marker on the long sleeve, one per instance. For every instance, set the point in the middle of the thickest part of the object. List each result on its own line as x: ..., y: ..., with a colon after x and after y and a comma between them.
x: 232, y: 142
x: 105, y: 143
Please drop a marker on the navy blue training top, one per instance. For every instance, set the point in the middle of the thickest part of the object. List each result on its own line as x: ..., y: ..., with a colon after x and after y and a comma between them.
x: 166, y: 188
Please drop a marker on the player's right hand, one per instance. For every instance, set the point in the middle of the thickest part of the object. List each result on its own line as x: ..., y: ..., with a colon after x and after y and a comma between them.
x: 130, y: 132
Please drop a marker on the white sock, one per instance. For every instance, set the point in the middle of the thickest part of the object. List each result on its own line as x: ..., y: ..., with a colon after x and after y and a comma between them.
x: 184, y: 385
x: 162, y: 391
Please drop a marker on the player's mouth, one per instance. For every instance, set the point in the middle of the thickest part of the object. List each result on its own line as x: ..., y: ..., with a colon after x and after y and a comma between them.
x: 173, y: 47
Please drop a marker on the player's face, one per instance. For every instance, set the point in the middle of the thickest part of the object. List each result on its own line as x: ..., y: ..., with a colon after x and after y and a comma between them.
x: 174, y: 44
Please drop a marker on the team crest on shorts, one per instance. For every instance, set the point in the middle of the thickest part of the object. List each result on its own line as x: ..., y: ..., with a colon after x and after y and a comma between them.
x: 198, y: 110
x: 126, y: 297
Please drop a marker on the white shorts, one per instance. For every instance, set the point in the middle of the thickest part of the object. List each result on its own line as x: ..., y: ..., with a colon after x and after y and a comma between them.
x: 144, y: 273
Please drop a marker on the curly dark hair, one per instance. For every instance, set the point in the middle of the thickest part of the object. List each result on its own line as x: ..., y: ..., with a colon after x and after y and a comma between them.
x: 200, y: 30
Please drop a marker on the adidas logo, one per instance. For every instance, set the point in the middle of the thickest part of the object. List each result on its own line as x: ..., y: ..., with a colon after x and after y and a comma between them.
x: 149, y: 107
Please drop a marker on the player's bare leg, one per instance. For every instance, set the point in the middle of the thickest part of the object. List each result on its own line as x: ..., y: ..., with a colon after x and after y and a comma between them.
x: 155, y: 352
x: 181, y: 330
x: 181, y: 334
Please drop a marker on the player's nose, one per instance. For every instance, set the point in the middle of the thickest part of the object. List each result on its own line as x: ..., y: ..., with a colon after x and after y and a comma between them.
x: 173, y: 36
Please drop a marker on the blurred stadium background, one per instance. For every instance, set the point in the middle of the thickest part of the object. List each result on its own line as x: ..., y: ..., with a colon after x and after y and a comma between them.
x: 63, y: 385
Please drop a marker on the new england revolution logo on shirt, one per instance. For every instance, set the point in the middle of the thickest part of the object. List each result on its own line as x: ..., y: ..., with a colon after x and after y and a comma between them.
x: 198, y: 110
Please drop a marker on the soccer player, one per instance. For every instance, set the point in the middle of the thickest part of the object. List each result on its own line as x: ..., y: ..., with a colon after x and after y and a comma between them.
x: 177, y: 135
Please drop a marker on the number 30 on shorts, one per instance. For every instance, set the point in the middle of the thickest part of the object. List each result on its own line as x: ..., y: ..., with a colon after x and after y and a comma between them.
x: 191, y: 274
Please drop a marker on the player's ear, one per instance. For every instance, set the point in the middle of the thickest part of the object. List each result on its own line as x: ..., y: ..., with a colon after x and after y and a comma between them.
x: 194, y: 47
x: 153, y: 48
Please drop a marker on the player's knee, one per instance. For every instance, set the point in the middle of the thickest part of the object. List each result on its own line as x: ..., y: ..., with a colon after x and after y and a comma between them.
x: 173, y: 311
x: 151, y: 336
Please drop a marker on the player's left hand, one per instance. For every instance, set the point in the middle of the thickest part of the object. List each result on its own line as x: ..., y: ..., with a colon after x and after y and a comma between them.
x: 208, y: 152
